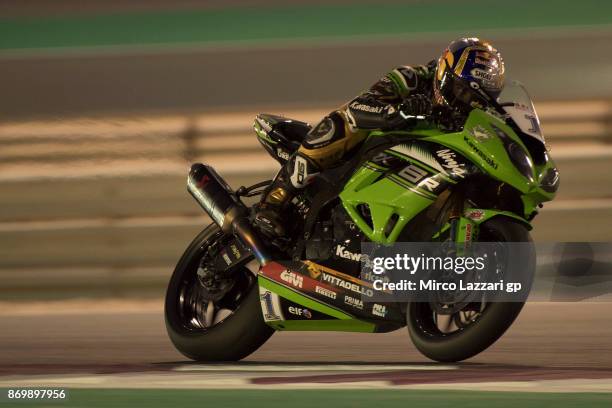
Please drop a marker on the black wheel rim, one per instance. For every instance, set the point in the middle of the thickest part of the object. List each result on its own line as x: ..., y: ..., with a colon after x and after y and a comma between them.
x: 432, y: 320
x: 195, y: 312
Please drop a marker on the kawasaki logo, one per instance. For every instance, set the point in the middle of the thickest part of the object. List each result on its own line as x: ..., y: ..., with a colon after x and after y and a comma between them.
x: 366, y: 108
x: 292, y: 278
x: 480, y: 153
x: 342, y: 252
x: 480, y: 133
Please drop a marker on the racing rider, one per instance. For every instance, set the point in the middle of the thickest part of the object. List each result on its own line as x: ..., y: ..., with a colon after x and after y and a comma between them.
x: 468, y: 74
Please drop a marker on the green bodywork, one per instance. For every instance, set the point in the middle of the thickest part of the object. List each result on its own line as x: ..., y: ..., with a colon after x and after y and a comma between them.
x: 340, y: 321
x: 477, y: 143
x: 393, y: 201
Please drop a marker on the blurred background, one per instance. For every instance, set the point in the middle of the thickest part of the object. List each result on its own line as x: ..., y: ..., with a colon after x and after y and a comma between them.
x: 104, y: 104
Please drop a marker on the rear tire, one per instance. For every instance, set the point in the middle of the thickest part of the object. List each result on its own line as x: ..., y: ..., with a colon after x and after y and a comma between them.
x: 231, y: 339
x: 476, y: 337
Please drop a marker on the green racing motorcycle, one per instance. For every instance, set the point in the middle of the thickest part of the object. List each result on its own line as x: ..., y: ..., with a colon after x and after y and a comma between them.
x: 231, y: 289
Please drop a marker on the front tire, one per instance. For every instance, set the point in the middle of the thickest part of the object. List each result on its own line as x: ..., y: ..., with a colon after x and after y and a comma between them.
x: 491, y: 323
x: 239, y: 331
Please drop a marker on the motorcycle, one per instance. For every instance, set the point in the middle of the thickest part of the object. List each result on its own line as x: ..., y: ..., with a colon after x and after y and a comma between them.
x: 232, y: 289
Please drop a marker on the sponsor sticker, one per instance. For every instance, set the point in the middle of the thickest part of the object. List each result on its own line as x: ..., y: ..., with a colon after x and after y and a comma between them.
x: 479, y: 73
x: 292, y: 278
x: 379, y: 310
x: 480, y: 153
x: 417, y: 175
x: 366, y: 108
x: 226, y: 258
x: 344, y: 284
x: 282, y: 154
x: 468, y: 233
x: 475, y: 215
x: 342, y: 252
x: 351, y: 301
x: 480, y: 133
x: 269, y: 303
x: 450, y: 162
x: 326, y: 292
x: 313, y: 271
x: 301, y: 312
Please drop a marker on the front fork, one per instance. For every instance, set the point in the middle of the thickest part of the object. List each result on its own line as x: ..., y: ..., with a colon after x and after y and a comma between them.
x: 464, y: 222
x: 463, y: 230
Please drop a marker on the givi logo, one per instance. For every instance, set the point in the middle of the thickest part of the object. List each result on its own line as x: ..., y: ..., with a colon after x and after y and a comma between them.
x: 292, y: 278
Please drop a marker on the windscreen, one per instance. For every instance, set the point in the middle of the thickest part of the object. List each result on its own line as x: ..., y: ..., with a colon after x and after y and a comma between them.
x: 517, y: 103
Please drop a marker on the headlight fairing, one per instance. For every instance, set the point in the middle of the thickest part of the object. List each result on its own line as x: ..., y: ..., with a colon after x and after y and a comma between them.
x: 518, y: 155
x: 549, y: 181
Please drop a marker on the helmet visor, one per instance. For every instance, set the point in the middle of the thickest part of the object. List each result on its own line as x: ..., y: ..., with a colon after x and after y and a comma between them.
x: 460, y: 94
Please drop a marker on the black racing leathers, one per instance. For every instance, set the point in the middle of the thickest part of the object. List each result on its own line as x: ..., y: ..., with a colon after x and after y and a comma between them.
x: 394, y: 101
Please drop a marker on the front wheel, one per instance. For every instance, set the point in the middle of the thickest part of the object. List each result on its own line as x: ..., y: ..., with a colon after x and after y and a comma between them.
x: 227, y: 329
x: 456, y: 336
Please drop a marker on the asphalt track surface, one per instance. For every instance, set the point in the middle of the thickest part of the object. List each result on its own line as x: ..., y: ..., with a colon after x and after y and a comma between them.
x: 557, y: 346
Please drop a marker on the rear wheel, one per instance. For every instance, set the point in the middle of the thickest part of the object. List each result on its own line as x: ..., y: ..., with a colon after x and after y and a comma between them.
x: 226, y: 329
x: 445, y: 334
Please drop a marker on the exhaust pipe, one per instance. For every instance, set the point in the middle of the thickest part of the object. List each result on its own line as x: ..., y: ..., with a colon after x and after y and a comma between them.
x: 221, y: 204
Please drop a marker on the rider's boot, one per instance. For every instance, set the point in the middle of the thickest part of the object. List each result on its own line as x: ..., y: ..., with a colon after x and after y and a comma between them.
x: 272, y: 212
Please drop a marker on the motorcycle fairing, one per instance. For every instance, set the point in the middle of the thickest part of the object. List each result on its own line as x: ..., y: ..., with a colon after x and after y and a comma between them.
x: 392, y: 197
x: 385, y: 193
x: 387, y: 190
x: 481, y: 144
x: 307, y: 296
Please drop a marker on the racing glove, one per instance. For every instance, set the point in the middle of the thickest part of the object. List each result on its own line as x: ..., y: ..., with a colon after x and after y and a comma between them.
x: 448, y: 119
x: 407, y: 113
x: 415, y: 107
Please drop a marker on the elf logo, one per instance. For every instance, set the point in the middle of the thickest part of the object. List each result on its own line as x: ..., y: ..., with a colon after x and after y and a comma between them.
x: 292, y: 278
x: 342, y: 252
x: 298, y: 311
